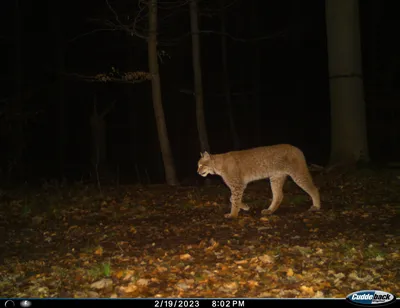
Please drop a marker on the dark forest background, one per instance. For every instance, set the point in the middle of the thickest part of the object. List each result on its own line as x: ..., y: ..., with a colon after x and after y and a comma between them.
x: 278, y: 71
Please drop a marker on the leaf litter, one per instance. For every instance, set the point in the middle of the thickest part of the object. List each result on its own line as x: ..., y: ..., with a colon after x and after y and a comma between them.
x: 160, y: 241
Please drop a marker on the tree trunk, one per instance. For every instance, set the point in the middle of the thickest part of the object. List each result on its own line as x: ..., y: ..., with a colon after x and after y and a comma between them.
x: 133, y: 117
x: 59, y: 64
x: 375, y: 9
x: 225, y: 80
x: 348, y: 116
x: 198, y: 86
x: 99, y: 142
x: 169, y: 167
x: 62, y: 112
x: 256, y: 71
x: 16, y: 116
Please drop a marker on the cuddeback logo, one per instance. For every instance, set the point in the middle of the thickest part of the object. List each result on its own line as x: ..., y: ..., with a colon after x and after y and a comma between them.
x: 371, y: 297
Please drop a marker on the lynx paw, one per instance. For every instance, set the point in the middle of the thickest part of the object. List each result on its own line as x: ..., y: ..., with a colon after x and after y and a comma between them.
x: 230, y: 216
x: 244, y: 207
x: 266, y: 212
x: 314, y: 209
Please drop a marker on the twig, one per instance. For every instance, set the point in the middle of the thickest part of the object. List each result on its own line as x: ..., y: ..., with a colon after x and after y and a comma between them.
x: 147, y: 177
x: 138, y: 174
x: 167, y: 42
x: 98, y: 177
x: 109, y: 79
x: 89, y: 33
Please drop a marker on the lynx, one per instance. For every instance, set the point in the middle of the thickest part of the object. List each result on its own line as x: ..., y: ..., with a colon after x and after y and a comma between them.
x: 276, y: 162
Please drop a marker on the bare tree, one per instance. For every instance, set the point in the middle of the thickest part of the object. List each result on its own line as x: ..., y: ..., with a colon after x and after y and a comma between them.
x: 170, y: 173
x: 225, y: 79
x: 348, y: 116
x: 136, y: 31
x: 198, y: 86
x: 15, y: 116
x: 98, y: 128
x: 59, y: 95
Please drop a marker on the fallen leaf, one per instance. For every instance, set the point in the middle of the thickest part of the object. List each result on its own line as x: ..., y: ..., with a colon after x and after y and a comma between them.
x: 119, y: 274
x: 266, y: 259
x: 101, y: 284
x: 142, y: 282
x: 99, y: 251
x: 130, y: 288
x: 128, y: 275
x: 185, y: 256
x: 307, y: 290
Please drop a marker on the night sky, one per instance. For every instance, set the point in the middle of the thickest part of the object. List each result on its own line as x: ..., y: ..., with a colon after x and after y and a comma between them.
x: 278, y: 70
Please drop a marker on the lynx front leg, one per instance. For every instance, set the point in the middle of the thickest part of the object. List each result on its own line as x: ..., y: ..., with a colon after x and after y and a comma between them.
x: 277, y: 194
x: 236, y: 200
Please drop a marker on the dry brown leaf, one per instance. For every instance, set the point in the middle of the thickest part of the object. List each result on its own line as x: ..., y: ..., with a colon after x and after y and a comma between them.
x: 130, y: 288
x: 101, y: 284
x: 214, y: 245
x: 266, y: 259
x: 252, y: 284
x: 99, y: 251
x: 142, y: 282
x: 161, y: 269
x: 119, y: 274
x: 307, y: 290
x: 185, y: 257
x: 128, y: 275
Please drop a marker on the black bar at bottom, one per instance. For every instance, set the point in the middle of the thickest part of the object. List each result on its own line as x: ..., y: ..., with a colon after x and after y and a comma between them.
x: 175, y: 303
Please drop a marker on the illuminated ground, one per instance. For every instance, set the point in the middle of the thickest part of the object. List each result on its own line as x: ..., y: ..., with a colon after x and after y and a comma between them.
x: 175, y: 242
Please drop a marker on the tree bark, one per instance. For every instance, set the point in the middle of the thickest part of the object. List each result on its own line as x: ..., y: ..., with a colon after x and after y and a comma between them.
x: 348, y: 115
x: 17, y: 138
x: 256, y: 71
x: 169, y: 167
x: 59, y: 64
x: 98, y: 129
x: 198, y: 86
x: 225, y: 80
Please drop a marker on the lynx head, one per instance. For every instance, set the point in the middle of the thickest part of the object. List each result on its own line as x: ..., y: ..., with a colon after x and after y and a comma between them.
x: 205, y: 166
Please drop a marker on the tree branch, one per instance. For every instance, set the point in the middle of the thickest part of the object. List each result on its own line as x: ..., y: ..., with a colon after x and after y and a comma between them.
x: 130, y: 77
x: 166, y: 42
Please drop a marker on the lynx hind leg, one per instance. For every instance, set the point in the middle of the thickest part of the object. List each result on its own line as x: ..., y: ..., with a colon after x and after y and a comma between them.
x: 305, y: 182
x: 236, y: 200
x: 244, y: 207
x: 277, y: 183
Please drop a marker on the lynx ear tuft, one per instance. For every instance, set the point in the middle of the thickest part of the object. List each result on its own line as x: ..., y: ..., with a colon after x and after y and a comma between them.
x: 206, y: 155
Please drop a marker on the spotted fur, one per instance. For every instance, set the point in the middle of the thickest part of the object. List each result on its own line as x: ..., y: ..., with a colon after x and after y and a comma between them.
x: 276, y: 162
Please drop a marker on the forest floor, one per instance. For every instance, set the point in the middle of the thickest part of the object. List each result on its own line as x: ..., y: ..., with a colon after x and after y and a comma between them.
x: 158, y: 241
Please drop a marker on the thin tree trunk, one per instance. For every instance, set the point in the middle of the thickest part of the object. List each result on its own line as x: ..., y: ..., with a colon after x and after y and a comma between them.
x: 60, y: 86
x: 256, y: 72
x: 225, y: 80
x: 98, y: 128
x: 169, y: 167
x: 348, y: 116
x: 16, y: 116
x: 134, y: 132
x: 375, y: 9
x: 62, y: 115
x: 198, y: 86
